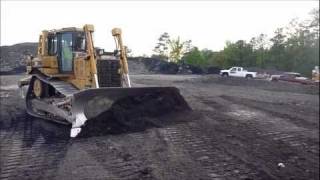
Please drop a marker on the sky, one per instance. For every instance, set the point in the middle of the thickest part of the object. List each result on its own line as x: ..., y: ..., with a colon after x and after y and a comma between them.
x: 209, y: 24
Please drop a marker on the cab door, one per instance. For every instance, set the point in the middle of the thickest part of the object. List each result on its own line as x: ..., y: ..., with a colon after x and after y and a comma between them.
x: 65, y: 56
x: 233, y: 72
x: 239, y: 72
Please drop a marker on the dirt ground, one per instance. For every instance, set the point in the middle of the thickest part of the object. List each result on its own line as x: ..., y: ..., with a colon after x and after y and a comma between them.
x: 237, y: 129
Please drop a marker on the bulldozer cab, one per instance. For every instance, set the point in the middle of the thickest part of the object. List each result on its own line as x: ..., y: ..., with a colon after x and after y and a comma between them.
x: 66, y: 44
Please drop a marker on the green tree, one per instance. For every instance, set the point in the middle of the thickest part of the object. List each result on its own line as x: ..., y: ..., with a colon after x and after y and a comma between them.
x: 302, y: 45
x: 239, y: 53
x: 195, y: 58
x: 171, y: 49
x: 219, y: 60
x: 208, y: 55
x: 277, y: 57
x: 259, y: 45
x: 178, y: 49
x: 161, y: 49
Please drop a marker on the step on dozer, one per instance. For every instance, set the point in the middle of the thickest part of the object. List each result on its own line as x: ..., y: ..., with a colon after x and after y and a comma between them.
x: 71, y: 82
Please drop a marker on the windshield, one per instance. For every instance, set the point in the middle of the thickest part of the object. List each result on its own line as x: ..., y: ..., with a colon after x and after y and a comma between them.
x: 79, y: 41
x: 76, y: 41
x: 233, y: 69
x: 66, y: 52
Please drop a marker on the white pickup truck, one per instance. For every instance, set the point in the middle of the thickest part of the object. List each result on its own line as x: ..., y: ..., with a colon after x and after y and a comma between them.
x: 238, y: 72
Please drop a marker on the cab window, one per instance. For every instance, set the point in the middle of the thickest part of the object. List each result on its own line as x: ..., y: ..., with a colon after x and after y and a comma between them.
x: 80, y: 42
x: 52, y: 45
x: 66, y: 52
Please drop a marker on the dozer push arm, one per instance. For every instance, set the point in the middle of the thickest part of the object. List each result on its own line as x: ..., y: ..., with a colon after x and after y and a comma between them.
x: 116, y: 33
x: 89, y: 29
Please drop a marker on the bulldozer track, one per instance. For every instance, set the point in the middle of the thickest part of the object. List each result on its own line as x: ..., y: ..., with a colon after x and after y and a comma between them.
x: 63, y: 87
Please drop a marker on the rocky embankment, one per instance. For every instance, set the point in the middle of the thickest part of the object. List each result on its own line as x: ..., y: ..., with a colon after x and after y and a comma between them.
x: 12, y: 57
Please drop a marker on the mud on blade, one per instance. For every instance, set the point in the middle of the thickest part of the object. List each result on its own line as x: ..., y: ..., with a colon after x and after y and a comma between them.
x: 124, y: 105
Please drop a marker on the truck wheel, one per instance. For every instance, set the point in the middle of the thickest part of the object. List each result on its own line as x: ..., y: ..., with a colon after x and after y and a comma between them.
x: 249, y: 76
x: 225, y: 75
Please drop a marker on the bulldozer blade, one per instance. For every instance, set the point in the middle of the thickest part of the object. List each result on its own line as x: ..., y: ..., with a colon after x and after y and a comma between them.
x: 125, y: 104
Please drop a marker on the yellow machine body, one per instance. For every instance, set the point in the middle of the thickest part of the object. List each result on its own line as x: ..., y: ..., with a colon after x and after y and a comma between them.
x: 84, y: 63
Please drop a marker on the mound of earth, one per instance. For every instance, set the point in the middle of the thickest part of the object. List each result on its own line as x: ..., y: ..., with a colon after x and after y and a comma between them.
x: 140, y: 65
x: 12, y: 57
x: 135, y: 113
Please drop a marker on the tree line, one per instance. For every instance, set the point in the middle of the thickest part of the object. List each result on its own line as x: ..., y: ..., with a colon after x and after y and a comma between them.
x: 294, y: 47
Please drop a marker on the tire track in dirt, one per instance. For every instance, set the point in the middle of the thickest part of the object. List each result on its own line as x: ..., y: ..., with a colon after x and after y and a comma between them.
x: 120, y: 165
x: 25, y: 154
x: 281, y: 128
x: 299, y: 113
x: 275, y: 140
x: 217, y: 162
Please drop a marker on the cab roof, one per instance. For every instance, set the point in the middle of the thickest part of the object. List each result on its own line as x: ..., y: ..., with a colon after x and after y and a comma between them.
x: 68, y: 29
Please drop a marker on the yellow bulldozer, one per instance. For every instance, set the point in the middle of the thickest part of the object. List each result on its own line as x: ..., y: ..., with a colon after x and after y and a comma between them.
x: 70, y: 81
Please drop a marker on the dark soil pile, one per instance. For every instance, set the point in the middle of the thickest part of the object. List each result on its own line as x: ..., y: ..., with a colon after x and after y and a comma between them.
x: 132, y: 114
x: 140, y: 65
x: 154, y: 65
